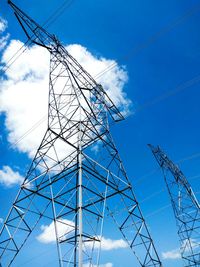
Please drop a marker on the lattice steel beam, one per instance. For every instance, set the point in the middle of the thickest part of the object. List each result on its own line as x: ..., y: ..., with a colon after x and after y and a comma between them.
x: 68, y: 182
x: 185, y: 206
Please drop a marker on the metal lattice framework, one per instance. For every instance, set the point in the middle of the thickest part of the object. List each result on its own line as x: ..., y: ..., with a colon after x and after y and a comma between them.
x: 185, y: 206
x: 76, y: 174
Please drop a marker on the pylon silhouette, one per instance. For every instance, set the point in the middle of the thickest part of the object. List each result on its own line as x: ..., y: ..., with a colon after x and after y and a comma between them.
x: 76, y: 175
x: 185, y: 206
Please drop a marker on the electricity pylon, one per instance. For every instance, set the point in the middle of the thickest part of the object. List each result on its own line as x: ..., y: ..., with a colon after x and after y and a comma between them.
x: 185, y: 206
x: 76, y: 175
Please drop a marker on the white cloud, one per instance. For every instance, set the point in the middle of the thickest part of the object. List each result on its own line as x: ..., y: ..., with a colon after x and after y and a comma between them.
x: 24, y: 94
x: 171, y: 255
x: 4, y: 41
x: 113, y: 80
x: 186, y: 247
x: 109, y: 244
x: 109, y: 264
x: 3, y: 25
x: 8, y: 177
x: 64, y: 227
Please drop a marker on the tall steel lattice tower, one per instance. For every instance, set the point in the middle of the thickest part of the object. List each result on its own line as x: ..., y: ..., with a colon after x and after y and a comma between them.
x: 185, y: 206
x: 69, y: 182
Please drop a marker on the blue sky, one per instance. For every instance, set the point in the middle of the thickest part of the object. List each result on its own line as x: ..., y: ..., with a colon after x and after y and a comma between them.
x: 158, y: 43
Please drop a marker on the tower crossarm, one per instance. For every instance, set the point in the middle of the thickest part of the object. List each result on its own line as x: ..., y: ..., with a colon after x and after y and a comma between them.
x: 185, y: 206
x: 36, y: 34
x: 169, y: 165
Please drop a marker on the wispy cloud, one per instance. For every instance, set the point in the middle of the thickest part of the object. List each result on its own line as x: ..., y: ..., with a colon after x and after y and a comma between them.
x: 185, y: 248
x: 171, y: 255
x: 109, y: 264
x: 3, y: 25
x: 109, y: 244
x: 3, y: 38
x: 4, y: 41
x: 9, y: 178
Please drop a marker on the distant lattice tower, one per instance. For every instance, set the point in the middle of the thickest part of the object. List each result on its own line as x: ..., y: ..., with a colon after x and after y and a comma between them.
x: 68, y: 182
x: 185, y: 206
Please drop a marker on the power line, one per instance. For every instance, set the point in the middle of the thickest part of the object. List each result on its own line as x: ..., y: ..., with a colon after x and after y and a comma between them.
x: 193, y: 156
x: 154, y: 171
x: 158, y: 210
x: 142, y: 178
x: 151, y: 40
x: 154, y: 37
x: 162, y: 97
x: 84, y: 169
x: 37, y: 124
x: 59, y: 11
x: 15, y: 56
x: 52, y: 18
x: 139, y: 233
x: 181, y: 87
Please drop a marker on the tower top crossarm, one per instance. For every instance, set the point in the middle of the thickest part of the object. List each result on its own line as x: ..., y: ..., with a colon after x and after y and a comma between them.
x: 185, y: 206
x: 36, y: 34
x: 168, y: 165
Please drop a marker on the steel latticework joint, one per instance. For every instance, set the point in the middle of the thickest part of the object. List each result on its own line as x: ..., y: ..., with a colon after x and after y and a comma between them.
x: 185, y: 206
x: 68, y: 182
